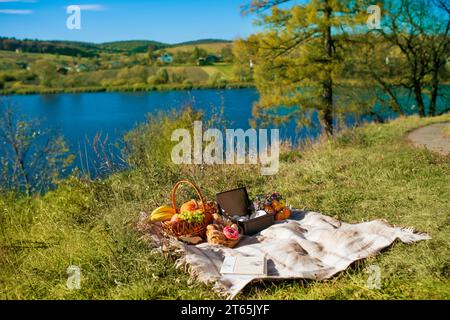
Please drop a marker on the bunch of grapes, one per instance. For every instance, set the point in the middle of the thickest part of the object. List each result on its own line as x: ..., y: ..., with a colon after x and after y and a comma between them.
x: 195, y: 216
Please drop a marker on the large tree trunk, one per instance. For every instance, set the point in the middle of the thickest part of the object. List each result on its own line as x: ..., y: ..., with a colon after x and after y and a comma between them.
x: 434, y: 92
x: 328, y: 106
x: 327, y: 84
x: 419, y: 98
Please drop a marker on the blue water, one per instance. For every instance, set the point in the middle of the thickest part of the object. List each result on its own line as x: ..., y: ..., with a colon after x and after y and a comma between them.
x: 79, y: 117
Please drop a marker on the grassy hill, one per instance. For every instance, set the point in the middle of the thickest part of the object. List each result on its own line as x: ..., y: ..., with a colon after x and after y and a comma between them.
x: 211, y: 47
x: 362, y: 174
x: 86, y: 49
x: 133, y: 46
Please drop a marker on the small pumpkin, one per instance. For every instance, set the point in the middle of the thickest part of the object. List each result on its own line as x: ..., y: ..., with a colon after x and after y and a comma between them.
x: 277, y: 205
x: 191, y: 205
x: 269, y: 209
x: 283, y: 214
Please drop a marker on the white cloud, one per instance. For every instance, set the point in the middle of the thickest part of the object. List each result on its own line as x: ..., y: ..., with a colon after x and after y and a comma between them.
x: 92, y: 7
x: 15, y: 11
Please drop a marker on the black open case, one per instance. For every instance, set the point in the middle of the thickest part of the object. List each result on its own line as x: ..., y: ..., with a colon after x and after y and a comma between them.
x: 237, y: 203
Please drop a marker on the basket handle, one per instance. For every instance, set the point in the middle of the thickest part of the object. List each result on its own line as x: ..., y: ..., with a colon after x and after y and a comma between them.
x: 174, y: 190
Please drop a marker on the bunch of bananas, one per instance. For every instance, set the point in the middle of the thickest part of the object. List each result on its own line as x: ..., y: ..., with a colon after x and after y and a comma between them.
x: 162, y: 213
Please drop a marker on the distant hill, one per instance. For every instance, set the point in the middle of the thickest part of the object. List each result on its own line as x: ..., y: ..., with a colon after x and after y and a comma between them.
x: 214, y: 46
x: 86, y: 49
x: 52, y: 47
x: 131, y: 46
x: 201, y: 41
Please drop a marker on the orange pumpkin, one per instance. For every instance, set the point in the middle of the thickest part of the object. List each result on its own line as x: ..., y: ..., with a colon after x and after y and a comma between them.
x: 269, y: 209
x: 277, y: 205
x: 191, y: 205
x: 283, y: 214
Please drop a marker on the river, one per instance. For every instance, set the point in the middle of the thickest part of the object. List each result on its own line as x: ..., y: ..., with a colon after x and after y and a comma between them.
x: 79, y: 117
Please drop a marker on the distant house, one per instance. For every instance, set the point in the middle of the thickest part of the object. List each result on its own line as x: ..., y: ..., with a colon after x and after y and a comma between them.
x: 166, y: 58
x: 81, y: 68
x: 210, y: 59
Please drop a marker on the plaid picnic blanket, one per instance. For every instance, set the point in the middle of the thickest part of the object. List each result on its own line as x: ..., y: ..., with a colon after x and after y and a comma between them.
x: 310, y: 245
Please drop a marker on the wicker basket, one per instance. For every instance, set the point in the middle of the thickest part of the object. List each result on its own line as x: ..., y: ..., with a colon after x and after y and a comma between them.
x: 214, y: 232
x: 184, y: 228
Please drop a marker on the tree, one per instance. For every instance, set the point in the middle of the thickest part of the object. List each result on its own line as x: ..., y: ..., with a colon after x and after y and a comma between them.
x: 161, y: 77
x: 379, y: 68
x: 420, y: 30
x: 300, y: 52
x: 46, y: 70
x: 244, y: 52
x: 151, y: 53
x: 32, y: 158
x: 439, y: 46
x: 197, y: 53
x: 227, y: 54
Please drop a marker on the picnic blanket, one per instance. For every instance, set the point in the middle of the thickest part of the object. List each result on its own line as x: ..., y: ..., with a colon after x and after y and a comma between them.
x: 310, y: 245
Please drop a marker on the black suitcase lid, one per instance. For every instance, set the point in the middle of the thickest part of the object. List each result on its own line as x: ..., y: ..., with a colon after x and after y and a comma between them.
x: 234, y: 202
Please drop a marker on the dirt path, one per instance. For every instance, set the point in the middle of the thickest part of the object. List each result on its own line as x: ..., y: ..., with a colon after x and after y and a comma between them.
x: 432, y: 138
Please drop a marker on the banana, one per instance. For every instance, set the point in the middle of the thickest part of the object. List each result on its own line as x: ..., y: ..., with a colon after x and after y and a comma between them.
x: 162, y: 213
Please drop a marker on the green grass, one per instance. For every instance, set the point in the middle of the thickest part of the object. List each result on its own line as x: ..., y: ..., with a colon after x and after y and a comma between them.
x: 363, y: 174
x: 447, y: 131
x: 226, y: 69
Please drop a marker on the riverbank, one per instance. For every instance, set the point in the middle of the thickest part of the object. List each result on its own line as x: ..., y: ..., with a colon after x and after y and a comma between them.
x: 363, y: 174
x: 134, y: 88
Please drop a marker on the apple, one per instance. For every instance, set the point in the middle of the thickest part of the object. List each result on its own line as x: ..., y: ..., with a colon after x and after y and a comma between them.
x: 175, y: 218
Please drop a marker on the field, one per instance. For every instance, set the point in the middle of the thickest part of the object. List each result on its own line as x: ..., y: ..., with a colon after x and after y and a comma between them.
x: 113, y: 69
x: 362, y: 174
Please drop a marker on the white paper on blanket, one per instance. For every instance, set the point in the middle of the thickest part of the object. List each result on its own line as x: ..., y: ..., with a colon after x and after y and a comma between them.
x: 238, y: 265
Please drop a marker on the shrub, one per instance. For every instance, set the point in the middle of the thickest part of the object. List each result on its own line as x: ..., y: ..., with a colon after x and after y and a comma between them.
x: 178, y: 76
x: 149, y: 145
x: 161, y: 77
x: 216, y: 79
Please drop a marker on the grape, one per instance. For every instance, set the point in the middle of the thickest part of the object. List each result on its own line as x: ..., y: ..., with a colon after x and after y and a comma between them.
x: 195, y: 216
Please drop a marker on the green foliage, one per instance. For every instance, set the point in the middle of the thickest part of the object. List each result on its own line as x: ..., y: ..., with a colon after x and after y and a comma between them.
x: 161, y: 77
x: 178, y: 76
x: 46, y: 70
x: 297, y: 59
x: 150, y: 145
x: 33, y: 159
x: 216, y: 79
x: 227, y: 54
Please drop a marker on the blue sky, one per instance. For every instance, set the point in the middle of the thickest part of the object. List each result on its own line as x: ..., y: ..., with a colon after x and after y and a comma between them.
x: 168, y: 21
